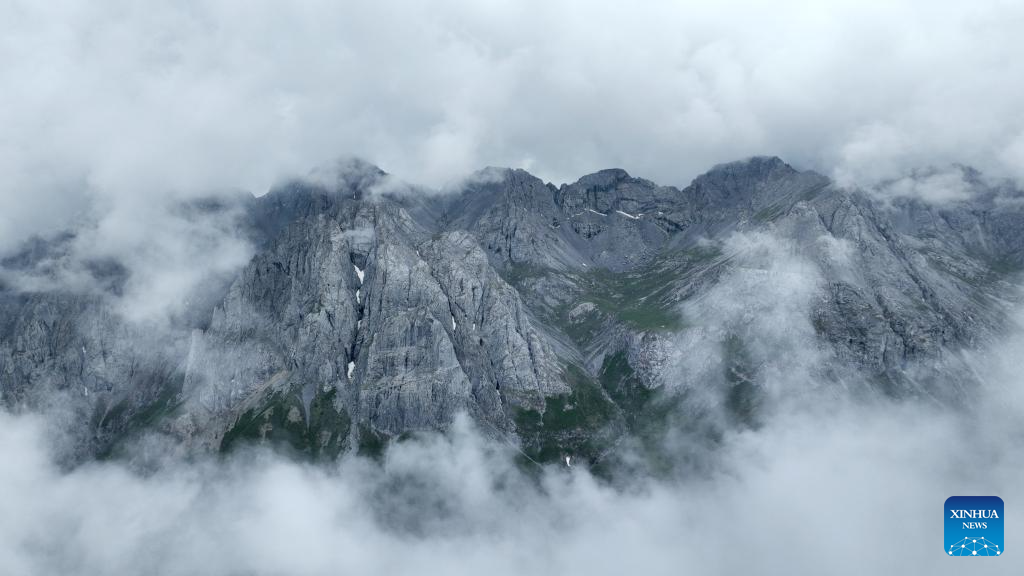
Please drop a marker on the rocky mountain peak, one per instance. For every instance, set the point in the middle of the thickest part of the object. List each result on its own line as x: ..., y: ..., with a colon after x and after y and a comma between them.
x: 603, y: 178
x: 551, y: 316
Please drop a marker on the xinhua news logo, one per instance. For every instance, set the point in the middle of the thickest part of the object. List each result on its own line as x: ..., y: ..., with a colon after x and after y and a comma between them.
x: 974, y: 526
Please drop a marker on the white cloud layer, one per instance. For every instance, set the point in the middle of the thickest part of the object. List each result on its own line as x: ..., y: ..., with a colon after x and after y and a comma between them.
x: 855, y: 490
x: 120, y: 100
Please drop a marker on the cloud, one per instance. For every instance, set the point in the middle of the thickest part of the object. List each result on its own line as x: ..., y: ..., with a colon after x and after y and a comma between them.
x: 151, y: 258
x: 843, y: 489
x: 116, y: 101
x: 826, y: 483
x: 113, y: 113
x: 930, y: 186
x: 754, y: 326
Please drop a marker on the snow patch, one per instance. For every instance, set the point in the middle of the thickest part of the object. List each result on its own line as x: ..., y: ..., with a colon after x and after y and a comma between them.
x: 358, y: 297
x: 592, y: 211
x: 627, y: 215
x: 351, y: 368
x: 454, y: 325
x: 359, y: 273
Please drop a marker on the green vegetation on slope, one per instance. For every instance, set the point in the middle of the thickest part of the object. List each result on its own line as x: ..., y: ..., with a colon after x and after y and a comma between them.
x: 123, y: 425
x: 649, y: 415
x: 642, y: 298
x: 577, y: 423
x: 371, y: 443
x: 743, y: 397
x: 280, y: 421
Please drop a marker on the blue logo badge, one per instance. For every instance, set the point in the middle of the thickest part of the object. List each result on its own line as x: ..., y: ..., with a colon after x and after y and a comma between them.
x: 974, y: 526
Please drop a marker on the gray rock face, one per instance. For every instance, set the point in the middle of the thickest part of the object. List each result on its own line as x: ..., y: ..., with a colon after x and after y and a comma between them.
x: 288, y: 321
x: 554, y: 314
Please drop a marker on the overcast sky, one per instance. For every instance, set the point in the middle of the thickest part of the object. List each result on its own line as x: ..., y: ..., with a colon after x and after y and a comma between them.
x: 117, y: 101
x: 109, y: 110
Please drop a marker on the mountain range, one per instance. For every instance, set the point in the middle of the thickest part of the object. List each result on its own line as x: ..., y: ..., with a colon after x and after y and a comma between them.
x: 569, y: 320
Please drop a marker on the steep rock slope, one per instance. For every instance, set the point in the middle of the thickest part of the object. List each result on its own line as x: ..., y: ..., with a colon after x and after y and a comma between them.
x: 561, y: 316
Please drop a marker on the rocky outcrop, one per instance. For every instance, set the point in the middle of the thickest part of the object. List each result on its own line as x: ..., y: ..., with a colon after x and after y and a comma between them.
x: 554, y: 314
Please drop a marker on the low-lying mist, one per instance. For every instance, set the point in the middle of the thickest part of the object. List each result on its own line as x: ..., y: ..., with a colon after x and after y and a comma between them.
x: 849, y: 489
